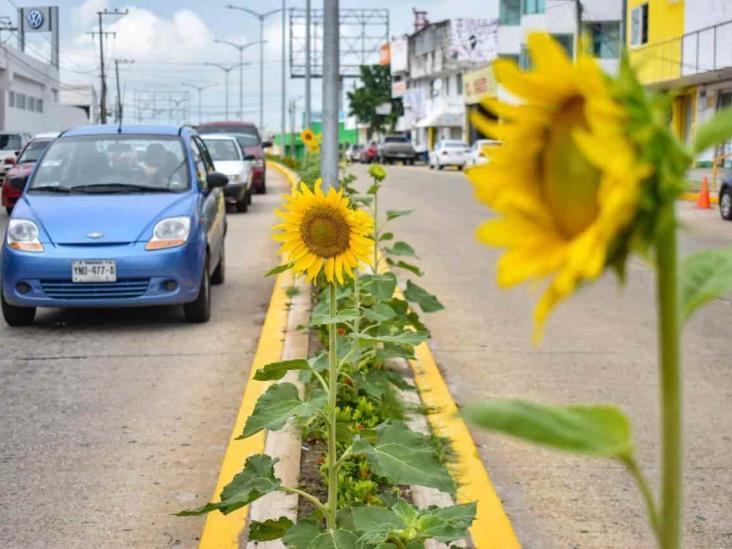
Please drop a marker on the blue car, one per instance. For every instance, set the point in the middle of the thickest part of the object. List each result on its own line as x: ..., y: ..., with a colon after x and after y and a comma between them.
x: 117, y: 216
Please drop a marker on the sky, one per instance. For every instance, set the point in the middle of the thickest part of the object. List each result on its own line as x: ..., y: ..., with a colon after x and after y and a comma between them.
x: 169, y: 43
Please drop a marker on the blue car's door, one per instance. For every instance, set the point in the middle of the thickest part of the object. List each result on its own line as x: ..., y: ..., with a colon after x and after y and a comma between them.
x: 211, y: 202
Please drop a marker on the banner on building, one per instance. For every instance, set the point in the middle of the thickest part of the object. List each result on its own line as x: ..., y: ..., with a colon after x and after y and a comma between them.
x: 398, y: 88
x: 473, y: 40
x: 384, y: 54
x: 399, y: 55
x: 36, y: 19
x: 478, y: 84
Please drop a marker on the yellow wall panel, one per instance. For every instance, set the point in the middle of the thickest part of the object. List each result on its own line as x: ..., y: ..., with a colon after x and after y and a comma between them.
x: 660, y: 59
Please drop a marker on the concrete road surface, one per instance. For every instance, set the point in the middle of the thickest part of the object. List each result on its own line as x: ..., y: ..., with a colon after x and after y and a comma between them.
x: 112, y: 420
x: 598, y: 347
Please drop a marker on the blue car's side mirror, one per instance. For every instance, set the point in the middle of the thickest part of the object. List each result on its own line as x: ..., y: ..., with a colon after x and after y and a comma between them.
x: 216, y: 180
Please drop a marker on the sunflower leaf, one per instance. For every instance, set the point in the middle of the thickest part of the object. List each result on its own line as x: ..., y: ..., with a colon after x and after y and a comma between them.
x: 279, y: 269
x: 277, y: 370
x: 269, y: 529
x: 255, y: 480
x: 704, y: 276
x: 386, y: 236
x: 380, y: 312
x: 594, y: 430
x: 393, y: 214
x: 405, y: 338
x: 380, y: 286
x: 302, y: 534
x: 414, y: 269
x: 401, y: 248
x: 345, y: 315
x: 279, y: 403
x: 716, y: 130
x: 426, y: 301
x: 335, y: 539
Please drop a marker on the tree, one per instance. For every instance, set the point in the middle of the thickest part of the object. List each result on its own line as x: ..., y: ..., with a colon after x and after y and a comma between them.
x: 374, y: 92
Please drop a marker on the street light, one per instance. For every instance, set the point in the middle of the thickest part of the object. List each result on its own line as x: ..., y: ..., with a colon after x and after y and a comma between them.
x: 199, y: 88
x: 261, y: 17
x: 241, y: 48
x: 227, y: 69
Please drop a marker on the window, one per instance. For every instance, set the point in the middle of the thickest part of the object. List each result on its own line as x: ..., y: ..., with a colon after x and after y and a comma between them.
x: 11, y: 99
x: 530, y: 7
x: 567, y: 42
x: 605, y: 40
x: 20, y: 100
x: 512, y: 56
x: 459, y: 83
x: 510, y: 12
x: 639, y: 25
x: 446, y: 86
x: 39, y: 105
x: 31, y: 103
x: 223, y: 149
x: 524, y: 58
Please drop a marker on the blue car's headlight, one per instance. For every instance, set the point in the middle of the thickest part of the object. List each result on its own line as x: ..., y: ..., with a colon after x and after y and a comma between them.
x: 169, y: 233
x: 23, y: 236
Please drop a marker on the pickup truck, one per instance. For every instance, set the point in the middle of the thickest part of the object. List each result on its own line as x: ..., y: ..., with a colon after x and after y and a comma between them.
x: 396, y: 147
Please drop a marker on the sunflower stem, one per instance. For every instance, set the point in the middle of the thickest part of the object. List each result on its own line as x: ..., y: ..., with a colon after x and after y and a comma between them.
x: 670, y: 384
x: 376, y: 231
x: 357, y: 301
x: 332, y: 396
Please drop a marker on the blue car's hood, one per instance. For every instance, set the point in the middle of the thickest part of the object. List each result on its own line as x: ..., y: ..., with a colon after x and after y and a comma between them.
x: 121, y: 218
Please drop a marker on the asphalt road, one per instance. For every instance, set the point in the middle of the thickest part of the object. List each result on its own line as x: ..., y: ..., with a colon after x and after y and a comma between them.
x: 598, y: 347
x: 112, y: 420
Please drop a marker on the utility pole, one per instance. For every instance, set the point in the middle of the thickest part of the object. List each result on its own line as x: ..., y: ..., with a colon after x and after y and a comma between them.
x: 284, y: 66
x: 227, y: 69
x: 261, y: 17
x: 241, y: 48
x: 199, y: 88
x: 119, y: 109
x: 293, y: 106
x: 331, y: 92
x: 578, y: 34
x: 103, y: 76
x: 307, y: 64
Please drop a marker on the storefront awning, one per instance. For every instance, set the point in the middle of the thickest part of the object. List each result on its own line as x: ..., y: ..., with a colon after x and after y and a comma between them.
x: 442, y: 120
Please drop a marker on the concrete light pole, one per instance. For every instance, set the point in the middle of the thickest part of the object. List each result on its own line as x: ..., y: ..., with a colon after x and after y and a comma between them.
x: 308, y: 72
x: 227, y: 69
x: 331, y: 93
x: 241, y: 48
x: 199, y: 88
x: 261, y: 16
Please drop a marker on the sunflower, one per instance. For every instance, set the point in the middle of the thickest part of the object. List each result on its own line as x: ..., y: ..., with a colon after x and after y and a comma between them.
x: 321, y: 232
x: 307, y: 136
x: 566, y: 182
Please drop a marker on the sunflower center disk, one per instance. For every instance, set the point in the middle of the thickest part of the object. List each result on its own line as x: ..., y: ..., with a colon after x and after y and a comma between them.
x: 569, y: 182
x: 325, y: 232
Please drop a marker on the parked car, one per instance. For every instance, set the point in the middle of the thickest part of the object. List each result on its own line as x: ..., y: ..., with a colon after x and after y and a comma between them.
x: 477, y: 154
x: 449, y: 153
x: 725, y: 198
x: 353, y: 152
x: 251, y: 144
x: 370, y: 153
x: 229, y: 159
x: 396, y: 147
x: 10, y: 147
x: 15, y: 179
x: 102, y: 224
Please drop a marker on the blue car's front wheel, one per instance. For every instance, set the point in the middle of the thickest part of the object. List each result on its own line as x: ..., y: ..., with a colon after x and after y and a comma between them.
x: 17, y: 316
x: 200, y: 309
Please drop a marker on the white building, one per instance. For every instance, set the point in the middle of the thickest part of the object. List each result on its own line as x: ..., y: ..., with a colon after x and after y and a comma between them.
x: 30, y: 96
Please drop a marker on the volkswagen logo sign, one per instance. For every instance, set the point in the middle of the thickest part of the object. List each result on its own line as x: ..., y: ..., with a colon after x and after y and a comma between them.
x: 95, y: 235
x: 35, y: 19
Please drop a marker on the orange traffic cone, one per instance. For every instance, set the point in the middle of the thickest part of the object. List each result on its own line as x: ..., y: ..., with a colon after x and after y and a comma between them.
x: 703, y: 201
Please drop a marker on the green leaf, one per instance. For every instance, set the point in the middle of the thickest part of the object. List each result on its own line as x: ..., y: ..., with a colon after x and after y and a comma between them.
x: 277, y: 370
x: 335, y: 539
x: 386, y: 236
x: 380, y: 312
x: 595, y: 430
x: 373, y: 189
x: 716, y: 130
x: 405, y: 457
x: 406, y: 338
x: 447, y: 524
x: 345, y: 315
x: 380, y: 286
x: 404, y: 265
x: 375, y: 523
x: 401, y: 248
x: 269, y: 529
x: 704, y: 276
x: 256, y: 479
x: 278, y: 404
x: 426, y: 301
x: 302, y: 534
x: 393, y: 214
x: 279, y: 269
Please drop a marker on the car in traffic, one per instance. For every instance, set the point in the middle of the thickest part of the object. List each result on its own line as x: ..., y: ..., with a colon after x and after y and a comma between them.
x: 11, y: 144
x: 725, y: 198
x: 370, y: 153
x: 396, y: 147
x: 117, y: 216
x: 353, y: 152
x: 479, y: 152
x: 449, y: 152
x: 251, y: 144
x: 16, y: 177
x: 229, y: 159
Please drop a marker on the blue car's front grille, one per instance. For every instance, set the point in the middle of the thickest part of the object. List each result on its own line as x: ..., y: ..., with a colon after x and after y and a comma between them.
x: 124, y: 288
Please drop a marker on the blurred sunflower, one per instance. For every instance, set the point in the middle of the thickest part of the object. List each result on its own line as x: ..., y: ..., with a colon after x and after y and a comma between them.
x: 307, y: 136
x: 321, y: 232
x: 566, y: 182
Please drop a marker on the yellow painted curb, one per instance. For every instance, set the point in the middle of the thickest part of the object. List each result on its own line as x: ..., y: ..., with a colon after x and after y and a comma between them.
x: 222, y: 531
x: 693, y: 197
x: 290, y: 175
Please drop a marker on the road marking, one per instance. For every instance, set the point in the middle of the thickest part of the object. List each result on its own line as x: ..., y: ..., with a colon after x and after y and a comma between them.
x: 223, y: 531
x: 693, y: 197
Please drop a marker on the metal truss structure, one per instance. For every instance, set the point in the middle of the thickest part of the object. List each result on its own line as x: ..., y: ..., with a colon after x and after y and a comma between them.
x: 152, y: 107
x: 362, y: 33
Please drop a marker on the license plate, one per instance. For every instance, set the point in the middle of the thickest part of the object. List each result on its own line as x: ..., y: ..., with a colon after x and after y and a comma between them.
x: 94, y: 270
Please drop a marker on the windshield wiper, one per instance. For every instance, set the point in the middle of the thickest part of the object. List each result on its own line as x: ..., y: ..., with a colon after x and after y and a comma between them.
x: 51, y: 189
x: 117, y: 188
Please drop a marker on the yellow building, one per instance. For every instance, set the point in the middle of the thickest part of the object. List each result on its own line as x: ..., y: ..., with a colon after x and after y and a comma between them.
x: 685, y: 45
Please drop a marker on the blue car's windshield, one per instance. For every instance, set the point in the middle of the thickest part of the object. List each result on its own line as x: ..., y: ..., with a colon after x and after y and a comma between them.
x: 113, y: 163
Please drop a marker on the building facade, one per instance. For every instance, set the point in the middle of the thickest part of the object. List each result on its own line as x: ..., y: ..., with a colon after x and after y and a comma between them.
x: 685, y: 45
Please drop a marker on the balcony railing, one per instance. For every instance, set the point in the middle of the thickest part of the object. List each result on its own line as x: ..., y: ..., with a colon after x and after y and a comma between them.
x: 704, y: 50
